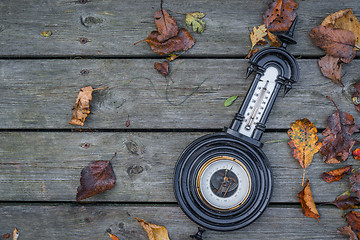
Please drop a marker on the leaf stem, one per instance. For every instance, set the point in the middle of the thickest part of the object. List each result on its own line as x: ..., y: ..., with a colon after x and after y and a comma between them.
x: 302, y: 184
x: 112, y: 157
x: 277, y: 141
x: 100, y: 88
x: 140, y: 41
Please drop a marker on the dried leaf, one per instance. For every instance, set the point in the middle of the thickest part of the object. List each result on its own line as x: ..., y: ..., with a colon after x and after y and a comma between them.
x: 348, y: 232
x: 337, y: 144
x: 303, y: 141
x: 228, y: 102
x: 336, y: 175
x: 252, y: 52
x: 166, y: 25
x: 273, y: 40
x: 330, y: 67
x: 182, y: 42
x: 354, y: 180
x: 257, y: 35
x: 155, y: 232
x: 344, y: 19
x: 15, y: 234
x: 46, y: 33
x: 356, y: 154
x: 82, y: 106
x: 353, y: 219
x: 194, y: 19
x: 307, y: 202
x: 280, y: 15
x: 162, y: 68
x: 96, y: 178
x: 345, y: 201
x: 113, y: 237
x: 335, y: 42
x: 6, y: 236
x: 356, y: 96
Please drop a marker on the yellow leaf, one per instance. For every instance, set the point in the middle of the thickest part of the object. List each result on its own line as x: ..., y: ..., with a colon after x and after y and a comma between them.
x: 46, y: 33
x: 194, y: 19
x: 304, y: 142
x: 155, y: 232
x: 307, y: 202
x: 344, y: 19
x: 257, y: 35
x: 273, y: 40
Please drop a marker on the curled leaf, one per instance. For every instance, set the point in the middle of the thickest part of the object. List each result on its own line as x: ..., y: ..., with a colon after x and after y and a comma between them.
x: 336, y: 42
x: 345, y: 201
x: 96, y: 178
x: 166, y: 25
x: 303, y: 141
x: 330, y: 67
x: 348, y: 232
x: 194, y: 19
x: 162, y: 68
x: 307, y: 202
x: 228, y: 102
x: 353, y: 219
x: 336, y: 175
x: 82, y: 106
x: 337, y: 144
x: 354, y: 180
x: 273, y: 40
x: 280, y: 15
x: 257, y: 35
x: 155, y: 232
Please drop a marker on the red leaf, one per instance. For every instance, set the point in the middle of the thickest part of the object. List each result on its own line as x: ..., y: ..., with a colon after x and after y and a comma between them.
x: 337, y: 143
x: 336, y: 175
x: 96, y: 178
x: 335, y: 42
x: 345, y: 201
x: 280, y: 15
x: 353, y: 219
x: 330, y: 67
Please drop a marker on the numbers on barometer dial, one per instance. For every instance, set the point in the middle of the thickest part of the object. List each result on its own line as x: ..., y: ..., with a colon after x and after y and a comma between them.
x: 223, y: 183
x: 259, y: 100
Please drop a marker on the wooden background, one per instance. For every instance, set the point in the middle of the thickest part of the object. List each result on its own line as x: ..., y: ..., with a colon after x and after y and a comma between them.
x: 41, y: 155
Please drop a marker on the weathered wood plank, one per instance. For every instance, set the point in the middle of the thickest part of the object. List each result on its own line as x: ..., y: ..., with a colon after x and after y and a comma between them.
x: 112, y: 27
x: 93, y: 222
x: 41, y: 94
x: 46, y: 166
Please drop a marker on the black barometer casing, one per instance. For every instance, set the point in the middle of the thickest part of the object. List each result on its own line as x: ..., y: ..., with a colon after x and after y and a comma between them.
x: 223, y: 181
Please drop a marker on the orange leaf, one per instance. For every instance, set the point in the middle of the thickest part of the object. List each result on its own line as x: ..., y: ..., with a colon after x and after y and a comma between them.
x: 155, y: 232
x: 307, y: 202
x: 82, y: 106
x: 280, y: 15
x: 336, y: 175
x: 303, y: 141
x: 273, y: 40
x: 356, y: 154
x: 113, y: 237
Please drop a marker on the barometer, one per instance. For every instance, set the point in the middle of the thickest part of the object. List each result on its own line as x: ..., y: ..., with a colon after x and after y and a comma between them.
x: 223, y: 181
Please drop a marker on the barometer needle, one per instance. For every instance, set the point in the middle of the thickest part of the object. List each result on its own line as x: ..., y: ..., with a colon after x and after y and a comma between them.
x: 227, y: 189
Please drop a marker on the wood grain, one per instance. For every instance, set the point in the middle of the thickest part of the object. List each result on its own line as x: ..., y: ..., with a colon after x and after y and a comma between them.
x: 40, y: 94
x: 39, y: 166
x: 66, y: 221
x: 112, y: 27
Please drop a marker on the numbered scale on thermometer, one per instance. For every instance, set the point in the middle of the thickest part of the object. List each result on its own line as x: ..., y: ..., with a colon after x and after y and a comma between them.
x: 223, y: 181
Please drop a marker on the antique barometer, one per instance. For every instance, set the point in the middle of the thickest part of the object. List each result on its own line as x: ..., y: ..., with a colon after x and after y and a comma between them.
x: 223, y: 181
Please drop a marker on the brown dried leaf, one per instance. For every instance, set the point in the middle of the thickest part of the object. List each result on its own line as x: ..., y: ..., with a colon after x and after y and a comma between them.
x: 303, y: 141
x: 330, y: 67
x: 354, y: 180
x: 280, y: 15
x: 307, y: 202
x: 182, y: 42
x: 252, y: 52
x: 113, y: 237
x: 335, y: 42
x: 337, y: 143
x: 166, y: 25
x: 155, y: 232
x: 356, y: 96
x: 6, y: 236
x: 344, y: 19
x: 96, y: 178
x: 257, y: 35
x: 353, y: 219
x: 82, y: 106
x: 273, y: 40
x: 336, y: 175
x: 162, y: 68
x: 348, y: 232
x: 345, y: 201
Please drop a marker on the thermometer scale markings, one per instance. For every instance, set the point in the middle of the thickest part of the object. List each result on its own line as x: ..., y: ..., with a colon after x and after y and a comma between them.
x: 257, y: 106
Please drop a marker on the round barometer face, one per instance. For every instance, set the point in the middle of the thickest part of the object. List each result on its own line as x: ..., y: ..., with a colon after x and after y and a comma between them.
x: 223, y: 183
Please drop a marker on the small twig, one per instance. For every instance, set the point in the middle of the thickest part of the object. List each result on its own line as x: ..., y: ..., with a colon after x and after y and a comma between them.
x: 112, y: 157
x: 100, y: 88
x: 140, y: 41
x: 277, y: 141
x: 302, y: 184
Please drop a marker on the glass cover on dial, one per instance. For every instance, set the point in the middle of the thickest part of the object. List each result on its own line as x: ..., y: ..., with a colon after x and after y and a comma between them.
x: 223, y: 183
